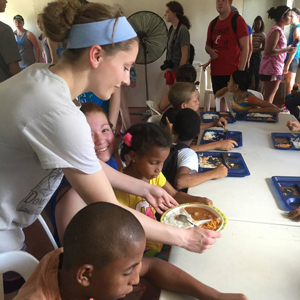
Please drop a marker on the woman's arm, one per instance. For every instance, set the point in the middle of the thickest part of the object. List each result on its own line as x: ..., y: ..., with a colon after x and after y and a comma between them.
x: 96, y: 187
x: 291, y: 55
x: 35, y: 44
x: 272, y: 42
x: 184, y: 179
x: 184, y: 55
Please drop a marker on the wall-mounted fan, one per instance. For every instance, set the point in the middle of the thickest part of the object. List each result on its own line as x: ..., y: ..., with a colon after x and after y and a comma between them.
x: 152, y: 33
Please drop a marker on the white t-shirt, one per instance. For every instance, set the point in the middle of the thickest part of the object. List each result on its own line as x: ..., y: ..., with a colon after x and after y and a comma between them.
x: 41, y: 131
x: 188, y: 158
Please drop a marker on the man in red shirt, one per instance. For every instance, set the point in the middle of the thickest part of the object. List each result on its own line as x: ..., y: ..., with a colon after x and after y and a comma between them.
x: 227, y: 44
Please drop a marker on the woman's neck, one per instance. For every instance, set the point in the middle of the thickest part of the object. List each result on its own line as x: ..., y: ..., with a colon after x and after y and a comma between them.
x: 131, y: 171
x: 240, y: 95
x: 175, y: 23
x: 280, y: 24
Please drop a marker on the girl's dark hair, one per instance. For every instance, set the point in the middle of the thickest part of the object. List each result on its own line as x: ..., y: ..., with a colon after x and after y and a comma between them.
x: 59, y: 16
x: 146, y: 136
x: 242, y: 79
x: 186, y: 73
x: 262, y: 27
x: 278, y: 12
x: 177, y: 8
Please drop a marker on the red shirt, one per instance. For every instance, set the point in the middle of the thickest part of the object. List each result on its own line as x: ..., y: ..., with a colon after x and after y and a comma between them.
x: 225, y: 41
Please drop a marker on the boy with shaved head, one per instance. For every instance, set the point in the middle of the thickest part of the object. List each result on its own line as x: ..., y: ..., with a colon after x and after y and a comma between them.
x: 103, y: 259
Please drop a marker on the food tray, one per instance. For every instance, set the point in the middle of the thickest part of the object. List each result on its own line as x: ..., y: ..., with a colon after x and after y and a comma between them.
x: 288, y: 189
x: 233, y: 161
x: 169, y: 215
x: 256, y: 117
x: 218, y: 135
x: 207, y: 116
x: 286, y: 141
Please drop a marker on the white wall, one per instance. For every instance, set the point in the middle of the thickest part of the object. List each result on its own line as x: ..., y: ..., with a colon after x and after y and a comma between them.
x: 200, y: 13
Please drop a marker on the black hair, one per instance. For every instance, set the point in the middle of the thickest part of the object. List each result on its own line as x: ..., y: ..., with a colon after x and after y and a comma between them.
x: 186, y: 124
x: 296, y: 10
x: 145, y: 136
x: 177, y: 8
x: 262, y: 27
x: 99, y: 234
x: 186, y: 73
x: 278, y: 12
x: 242, y: 79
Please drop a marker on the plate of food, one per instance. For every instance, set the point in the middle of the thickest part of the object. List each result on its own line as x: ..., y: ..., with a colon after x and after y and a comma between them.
x: 210, y: 136
x: 288, y: 188
x: 256, y: 117
x: 286, y: 141
x: 233, y: 161
x: 207, y: 116
x: 199, y: 214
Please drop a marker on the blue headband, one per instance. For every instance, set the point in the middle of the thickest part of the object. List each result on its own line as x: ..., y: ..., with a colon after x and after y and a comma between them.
x: 100, y: 33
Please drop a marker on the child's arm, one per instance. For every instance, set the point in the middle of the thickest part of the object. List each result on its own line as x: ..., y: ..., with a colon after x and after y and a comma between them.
x: 221, y: 92
x: 293, y: 125
x: 183, y: 197
x: 295, y: 214
x: 262, y: 105
x: 225, y: 145
x: 219, y: 123
x: 184, y: 179
x: 158, y: 272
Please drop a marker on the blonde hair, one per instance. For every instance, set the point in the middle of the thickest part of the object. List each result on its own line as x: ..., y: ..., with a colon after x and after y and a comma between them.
x: 181, y: 92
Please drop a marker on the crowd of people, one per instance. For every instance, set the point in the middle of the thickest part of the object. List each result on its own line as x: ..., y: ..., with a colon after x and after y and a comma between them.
x: 58, y: 144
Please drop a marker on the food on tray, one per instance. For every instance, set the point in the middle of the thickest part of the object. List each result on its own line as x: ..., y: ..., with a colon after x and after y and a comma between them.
x: 198, y: 213
x: 283, y: 142
x: 214, y: 224
x: 210, y: 136
x: 210, y: 116
x: 284, y: 145
x: 223, y: 113
x: 270, y: 119
x: 232, y: 165
x: 259, y: 115
x: 289, y: 191
x: 209, y: 161
x: 296, y: 143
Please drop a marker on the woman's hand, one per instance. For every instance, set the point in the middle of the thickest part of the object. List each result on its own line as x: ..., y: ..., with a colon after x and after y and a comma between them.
x: 159, y: 198
x: 198, y: 240
x: 293, y: 125
x: 290, y: 49
x: 295, y: 214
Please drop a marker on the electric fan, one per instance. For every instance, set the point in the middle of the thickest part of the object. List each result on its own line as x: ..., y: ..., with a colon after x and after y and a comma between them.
x: 152, y: 33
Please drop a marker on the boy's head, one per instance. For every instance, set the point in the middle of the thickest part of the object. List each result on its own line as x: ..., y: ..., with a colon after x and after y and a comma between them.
x: 186, y: 124
x: 186, y: 73
x: 184, y: 95
x: 103, y: 249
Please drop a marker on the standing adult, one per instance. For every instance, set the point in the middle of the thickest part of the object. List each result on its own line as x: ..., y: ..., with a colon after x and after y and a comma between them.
x: 227, y: 44
x: 258, y: 46
x: 272, y: 64
x: 293, y: 60
x: 27, y: 43
x: 38, y: 144
x: 178, y: 44
x: 9, y: 53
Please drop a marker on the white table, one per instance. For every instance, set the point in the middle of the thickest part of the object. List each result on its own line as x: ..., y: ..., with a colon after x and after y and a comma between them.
x: 258, y: 260
x: 258, y: 254
x: 253, y: 198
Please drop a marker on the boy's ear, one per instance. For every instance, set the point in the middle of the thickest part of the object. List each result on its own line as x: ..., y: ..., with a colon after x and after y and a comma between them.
x: 84, y: 275
x: 183, y: 105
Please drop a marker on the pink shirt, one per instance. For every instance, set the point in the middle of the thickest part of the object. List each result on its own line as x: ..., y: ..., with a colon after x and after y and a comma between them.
x: 273, y: 65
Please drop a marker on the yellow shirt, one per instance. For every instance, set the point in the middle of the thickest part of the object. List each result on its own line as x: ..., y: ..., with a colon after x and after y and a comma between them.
x: 140, y: 204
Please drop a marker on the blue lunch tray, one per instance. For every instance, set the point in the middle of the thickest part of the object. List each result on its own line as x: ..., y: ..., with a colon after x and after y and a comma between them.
x: 285, y: 141
x: 233, y: 161
x: 288, y: 189
x: 220, y: 136
x: 247, y: 116
x: 215, y: 115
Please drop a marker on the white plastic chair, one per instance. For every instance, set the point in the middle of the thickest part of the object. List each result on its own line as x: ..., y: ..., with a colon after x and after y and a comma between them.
x: 48, y: 232
x: 155, y: 119
x: 154, y: 109
x: 208, y: 92
x: 199, y: 75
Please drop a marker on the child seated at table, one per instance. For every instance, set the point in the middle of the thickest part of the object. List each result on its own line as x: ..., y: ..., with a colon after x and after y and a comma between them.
x: 185, y: 73
x: 148, y: 146
x: 184, y: 95
x: 243, y: 100
x: 103, y: 259
x: 181, y: 166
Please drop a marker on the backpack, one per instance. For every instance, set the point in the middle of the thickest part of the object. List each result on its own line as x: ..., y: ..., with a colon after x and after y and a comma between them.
x: 170, y: 165
x: 233, y: 24
x: 192, y: 54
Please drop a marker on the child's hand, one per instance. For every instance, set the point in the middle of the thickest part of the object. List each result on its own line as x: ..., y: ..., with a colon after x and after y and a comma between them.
x: 293, y: 125
x: 169, y: 126
x: 222, y: 122
x: 226, y: 145
x: 219, y: 93
x: 137, y: 292
x: 295, y: 214
x: 220, y: 171
x: 204, y: 200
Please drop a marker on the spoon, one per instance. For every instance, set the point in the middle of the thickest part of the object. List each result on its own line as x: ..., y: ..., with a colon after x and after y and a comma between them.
x: 183, y: 218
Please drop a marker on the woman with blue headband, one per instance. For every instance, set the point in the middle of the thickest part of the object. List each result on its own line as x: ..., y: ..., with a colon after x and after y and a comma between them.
x: 44, y: 135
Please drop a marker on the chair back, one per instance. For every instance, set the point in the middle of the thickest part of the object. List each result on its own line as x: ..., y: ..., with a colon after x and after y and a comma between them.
x: 48, y: 232
x: 155, y: 119
x: 227, y: 96
x: 154, y: 109
x: 20, y: 262
x: 257, y: 94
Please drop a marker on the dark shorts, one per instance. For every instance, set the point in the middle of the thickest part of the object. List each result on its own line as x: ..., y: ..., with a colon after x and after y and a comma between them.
x: 270, y: 77
x: 170, y: 77
x: 295, y: 64
x: 219, y: 82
